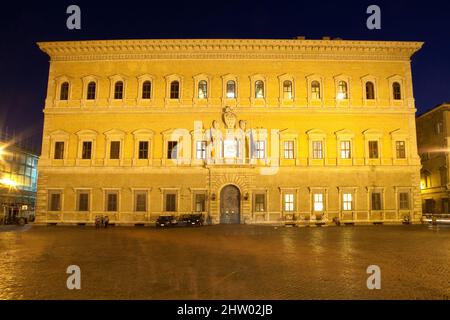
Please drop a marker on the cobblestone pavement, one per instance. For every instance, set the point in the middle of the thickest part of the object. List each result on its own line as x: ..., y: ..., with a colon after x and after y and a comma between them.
x: 225, y: 262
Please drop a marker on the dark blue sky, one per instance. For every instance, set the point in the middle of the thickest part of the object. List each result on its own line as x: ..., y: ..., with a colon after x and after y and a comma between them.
x: 24, y: 68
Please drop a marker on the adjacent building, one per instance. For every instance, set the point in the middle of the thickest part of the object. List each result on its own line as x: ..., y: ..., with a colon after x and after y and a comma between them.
x: 433, y: 131
x: 243, y: 131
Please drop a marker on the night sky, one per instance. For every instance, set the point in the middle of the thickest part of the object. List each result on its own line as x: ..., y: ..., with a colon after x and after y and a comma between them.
x: 24, y: 68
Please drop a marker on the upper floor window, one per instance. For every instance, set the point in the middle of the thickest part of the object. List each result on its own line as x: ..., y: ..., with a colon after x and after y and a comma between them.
x: 342, y: 90
x: 91, y: 90
x: 174, y: 90
x: 345, y: 149
x: 203, y: 90
x: 438, y: 127
x: 260, y: 149
x: 118, y: 90
x: 287, y: 90
x: 146, y: 90
x: 64, y: 93
x: 259, y: 89
x: 289, y: 149
x: 373, y: 149
x: 86, y: 152
x: 400, y: 149
x: 114, y: 152
x: 231, y: 89
x: 370, y: 91
x: 315, y: 90
x: 396, y: 91
x: 59, y: 150
x: 143, y: 149
x: 201, y: 150
x: 172, y: 147
x: 317, y: 147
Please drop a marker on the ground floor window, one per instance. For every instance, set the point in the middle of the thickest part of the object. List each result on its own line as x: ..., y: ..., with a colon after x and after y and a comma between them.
x: 318, y: 202
x: 260, y: 202
x: 288, y: 202
x: 403, y: 201
x: 140, y: 201
x: 170, y: 204
x: 347, y: 201
x: 376, y: 201
x: 54, y: 201
x: 83, y: 201
x: 112, y: 199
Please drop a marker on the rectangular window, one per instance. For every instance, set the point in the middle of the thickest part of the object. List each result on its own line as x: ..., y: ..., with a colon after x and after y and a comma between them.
x: 171, y: 202
x: 143, y: 149
x: 140, y: 201
x: 289, y: 149
x: 112, y: 199
x: 86, y: 152
x: 260, y: 202
x: 376, y: 201
x: 400, y: 149
x: 373, y: 149
x: 347, y: 201
x: 289, y: 202
x: 345, y: 150
x: 404, y: 201
x: 260, y: 149
x: 200, y: 201
x: 59, y: 150
x: 201, y: 150
x: 317, y: 150
x: 172, y: 147
x: 55, y: 201
x: 114, y: 152
x: 83, y: 201
x: 318, y: 202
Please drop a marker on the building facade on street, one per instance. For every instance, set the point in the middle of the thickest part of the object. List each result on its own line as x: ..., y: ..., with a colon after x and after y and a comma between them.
x: 433, y: 130
x: 244, y: 131
x: 18, y: 173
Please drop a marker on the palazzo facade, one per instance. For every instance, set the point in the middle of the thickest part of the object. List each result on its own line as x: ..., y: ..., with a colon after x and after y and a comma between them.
x: 243, y: 131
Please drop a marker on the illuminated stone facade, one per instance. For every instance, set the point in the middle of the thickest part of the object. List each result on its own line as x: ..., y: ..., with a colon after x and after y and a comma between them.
x: 245, y: 131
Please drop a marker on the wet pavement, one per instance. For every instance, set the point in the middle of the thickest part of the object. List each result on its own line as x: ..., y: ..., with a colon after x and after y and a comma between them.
x: 225, y: 262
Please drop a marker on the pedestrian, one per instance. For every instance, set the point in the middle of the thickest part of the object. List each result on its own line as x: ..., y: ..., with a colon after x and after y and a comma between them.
x: 97, y: 222
x: 106, y: 221
x: 102, y: 221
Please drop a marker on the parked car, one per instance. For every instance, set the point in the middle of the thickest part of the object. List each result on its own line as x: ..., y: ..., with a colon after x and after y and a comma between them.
x: 166, y: 221
x: 194, y: 219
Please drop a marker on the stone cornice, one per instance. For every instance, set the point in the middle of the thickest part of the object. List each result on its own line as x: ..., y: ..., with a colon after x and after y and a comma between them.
x: 229, y: 49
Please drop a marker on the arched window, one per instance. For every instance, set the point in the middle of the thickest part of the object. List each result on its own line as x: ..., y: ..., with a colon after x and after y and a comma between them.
x: 287, y: 90
x: 397, y: 91
x: 259, y: 89
x: 91, y: 90
x: 174, y: 90
x: 146, y: 90
x: 231, y: 89
x: 118, y: 90
x: 64, y: 92
x: 370, y: 91
x: 315, y: 90
x: 342, y: 90
x: 203, y: 90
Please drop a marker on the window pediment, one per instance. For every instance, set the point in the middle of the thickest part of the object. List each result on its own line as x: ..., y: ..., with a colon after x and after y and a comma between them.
x: 87, y: 133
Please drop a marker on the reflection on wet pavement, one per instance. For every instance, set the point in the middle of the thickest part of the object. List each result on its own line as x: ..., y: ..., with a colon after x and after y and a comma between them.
x: 225, y: 262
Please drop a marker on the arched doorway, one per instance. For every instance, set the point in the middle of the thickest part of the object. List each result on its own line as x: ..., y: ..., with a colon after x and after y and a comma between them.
x: 230, y: 205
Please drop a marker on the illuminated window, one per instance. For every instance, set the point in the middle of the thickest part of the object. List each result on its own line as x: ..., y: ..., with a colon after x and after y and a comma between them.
x: 143, y: 149
x: 403, y: 200
x: 289, y: 202
x: 202, y: 90
x: 260, y: 149
x: 287, y: 90
x: 347, y: 201
x: 118, y: 90
x: 86, y: 151
x: 146, y: 90
x: 400, y: 149
x: 259, y: 89
x: 289, y: 149
x: 64, y: 93
x: 174, y: 90
x: 342, y: 90
x: 91, y: 90
x: 201, y: 150
x: 373, y: 149
x: 317, y: 149
x: 315, y: 90
x: 396, y: 91
x: 140, y: 201
x: 114, y: 152
x: 231, y: 89
x: 172, y: 148
x: 83, y: 201
x: 370, y: 91
x: 260, y: 202
x: 345, y: 150
x: 318, y: 202
x: 376, y: 200
x: 200, y: 201
x: 59, y: 150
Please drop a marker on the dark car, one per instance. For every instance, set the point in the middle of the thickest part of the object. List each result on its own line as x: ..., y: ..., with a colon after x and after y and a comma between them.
x: 166, y: 221
x: 194, y: 219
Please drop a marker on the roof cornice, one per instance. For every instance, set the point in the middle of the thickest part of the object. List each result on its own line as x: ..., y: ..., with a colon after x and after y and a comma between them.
x: 229, y: 49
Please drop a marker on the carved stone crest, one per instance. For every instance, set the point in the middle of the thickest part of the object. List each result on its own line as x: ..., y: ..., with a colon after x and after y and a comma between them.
x: 229, y: 117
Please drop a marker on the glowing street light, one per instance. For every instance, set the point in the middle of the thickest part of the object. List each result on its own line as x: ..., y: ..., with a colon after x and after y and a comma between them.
x: 8, y: 182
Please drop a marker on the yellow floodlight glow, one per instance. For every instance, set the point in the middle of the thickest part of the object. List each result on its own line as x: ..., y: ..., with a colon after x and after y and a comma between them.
x: 8, y: 182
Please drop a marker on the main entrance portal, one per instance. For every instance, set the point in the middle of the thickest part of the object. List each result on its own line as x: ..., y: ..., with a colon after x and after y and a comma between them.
x: 230, y: 204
